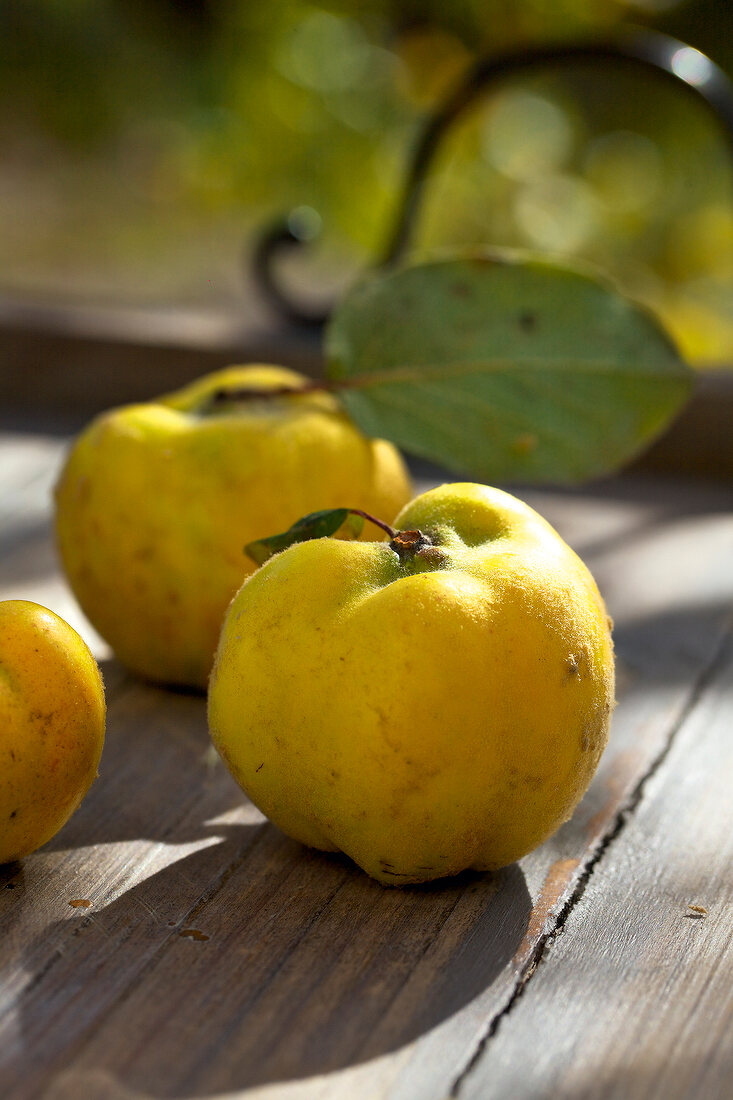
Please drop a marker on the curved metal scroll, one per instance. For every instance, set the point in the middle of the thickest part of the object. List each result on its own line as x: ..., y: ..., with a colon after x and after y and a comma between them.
x: 672, y: 58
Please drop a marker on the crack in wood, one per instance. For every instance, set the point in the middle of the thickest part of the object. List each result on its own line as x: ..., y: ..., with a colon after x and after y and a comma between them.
x: 622, y: 816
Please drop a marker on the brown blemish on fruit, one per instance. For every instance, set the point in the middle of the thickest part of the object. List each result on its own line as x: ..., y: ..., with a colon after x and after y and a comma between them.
x: 556, y: 884
x: 527, y: 321
x: 572, y: 665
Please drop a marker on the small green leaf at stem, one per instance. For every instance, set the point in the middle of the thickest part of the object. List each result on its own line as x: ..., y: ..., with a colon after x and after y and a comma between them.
x: 316, y: 525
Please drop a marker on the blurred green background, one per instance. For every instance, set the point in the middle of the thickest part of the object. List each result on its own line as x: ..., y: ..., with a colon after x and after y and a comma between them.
x: 146, y: 142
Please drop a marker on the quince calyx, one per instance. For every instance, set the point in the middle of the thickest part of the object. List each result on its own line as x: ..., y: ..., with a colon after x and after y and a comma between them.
x: 224, y: 398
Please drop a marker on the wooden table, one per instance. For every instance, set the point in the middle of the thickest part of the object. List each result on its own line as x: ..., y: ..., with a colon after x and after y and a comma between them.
x: 215, y: 957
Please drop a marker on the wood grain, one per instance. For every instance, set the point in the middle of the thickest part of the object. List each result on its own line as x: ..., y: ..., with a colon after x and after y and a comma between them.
x: 661, y: 553
x: 642, y: 975
x: 218, y: 957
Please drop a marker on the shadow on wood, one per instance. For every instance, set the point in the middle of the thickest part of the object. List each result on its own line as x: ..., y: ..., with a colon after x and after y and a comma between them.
x: 294, y: 964
x: 215, y: 953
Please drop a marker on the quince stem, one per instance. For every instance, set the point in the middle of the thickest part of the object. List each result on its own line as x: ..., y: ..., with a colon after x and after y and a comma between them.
x: 406, y: 544
x: 393, y: 534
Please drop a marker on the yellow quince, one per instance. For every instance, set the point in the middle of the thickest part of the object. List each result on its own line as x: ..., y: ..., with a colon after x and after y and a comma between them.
x: 428, y: 704
x: 52, y: 719
x: 157, y: 501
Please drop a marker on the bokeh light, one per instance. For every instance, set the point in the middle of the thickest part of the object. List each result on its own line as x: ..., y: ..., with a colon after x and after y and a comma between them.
x: 527, y: 135
x: 144, y: 147
x: 558, y: 213
x: 625, y: 171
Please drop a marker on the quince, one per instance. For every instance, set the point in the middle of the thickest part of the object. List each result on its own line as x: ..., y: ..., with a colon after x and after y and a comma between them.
x: 425, y: 705
x: 52, y: 716
x: 156, y: 502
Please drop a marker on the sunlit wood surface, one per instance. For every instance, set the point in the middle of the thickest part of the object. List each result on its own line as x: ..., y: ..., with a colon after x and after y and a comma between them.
x: 218, y: 958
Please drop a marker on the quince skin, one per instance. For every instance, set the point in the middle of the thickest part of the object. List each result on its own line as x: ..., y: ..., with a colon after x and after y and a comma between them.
x: 157, y: 501
x: 52, y: 718
x: 425, y: 705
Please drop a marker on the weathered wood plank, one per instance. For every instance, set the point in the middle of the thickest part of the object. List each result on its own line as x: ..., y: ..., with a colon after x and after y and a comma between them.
x: 149, y: 810
x: 71, y: 360
x: 635, y: 998
x: 310, y: 969
x: 28, y: 466
x: 24, y: 456
x: 142, y: 849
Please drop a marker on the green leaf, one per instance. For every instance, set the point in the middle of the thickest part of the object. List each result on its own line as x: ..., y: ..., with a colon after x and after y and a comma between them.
x: 316, y: 525
x: 505, y: 369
